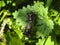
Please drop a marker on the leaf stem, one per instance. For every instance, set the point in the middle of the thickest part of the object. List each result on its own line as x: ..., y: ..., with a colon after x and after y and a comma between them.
x: 2, y: 27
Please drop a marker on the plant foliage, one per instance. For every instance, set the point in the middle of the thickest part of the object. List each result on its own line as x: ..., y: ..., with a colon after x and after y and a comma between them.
x: 18, y: 27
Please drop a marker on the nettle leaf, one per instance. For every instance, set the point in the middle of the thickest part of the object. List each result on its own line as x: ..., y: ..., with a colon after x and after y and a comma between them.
x: 20, y: 17
x: 49, y: 41
x: 1, y: 43
x: 57, y: 19
x: 45, y: 41
x: 44, y: 24
x: 19, y: 33
x: 55, y: 16
x: 12, y: 25
x: 13, y: 39
x: 2, y: 4
x: 40, y: 42
x: 53, y: 12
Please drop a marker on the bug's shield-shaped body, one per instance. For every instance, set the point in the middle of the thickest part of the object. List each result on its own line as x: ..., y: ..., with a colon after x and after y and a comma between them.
x: 29, y: 25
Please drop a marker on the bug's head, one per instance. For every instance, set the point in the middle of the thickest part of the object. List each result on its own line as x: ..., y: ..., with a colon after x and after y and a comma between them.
x: 31, y: 15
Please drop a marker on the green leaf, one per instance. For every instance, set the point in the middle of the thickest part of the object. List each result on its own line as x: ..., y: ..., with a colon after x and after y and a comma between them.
x: 45, y: 23
x: 48, y: 3
x: 13, y: 39
x: 40, y: 42
x: 2, y: 4
x: 49, y: 42
x: 19, y: 33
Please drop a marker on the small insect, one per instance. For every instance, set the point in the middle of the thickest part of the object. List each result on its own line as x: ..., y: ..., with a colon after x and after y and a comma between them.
x: 30, y: 21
